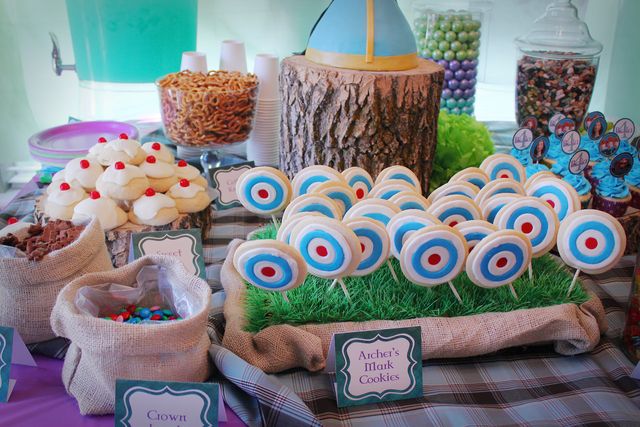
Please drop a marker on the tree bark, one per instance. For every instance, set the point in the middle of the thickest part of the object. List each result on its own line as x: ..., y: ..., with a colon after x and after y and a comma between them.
x: 343, y: 118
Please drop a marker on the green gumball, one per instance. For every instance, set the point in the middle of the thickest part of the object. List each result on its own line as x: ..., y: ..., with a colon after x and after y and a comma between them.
x: 456, y: 46
x: 432, y: 45
x: 426, y: 53
x: 463, y: 36
x: 450, y: 36
x: 438, y: 35
x: 457, y: 26
x: 444, y: 45
x: 474, y: 35
x: 468, y: 26
x: 472, y: 54
x: 476, y: 24
x: 444, y: 26
x: 437, y: 55
x: 474, y: 44
x: 449, y: 55
x: 422, y: 44
x: 461, y: 55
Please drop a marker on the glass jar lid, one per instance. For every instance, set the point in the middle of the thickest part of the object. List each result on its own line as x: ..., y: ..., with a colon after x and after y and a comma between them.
x: 559, y: 31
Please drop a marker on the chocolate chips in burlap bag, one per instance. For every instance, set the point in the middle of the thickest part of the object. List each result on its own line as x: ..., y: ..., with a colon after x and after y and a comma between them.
x: 44, y: 260
x: 102, y: 350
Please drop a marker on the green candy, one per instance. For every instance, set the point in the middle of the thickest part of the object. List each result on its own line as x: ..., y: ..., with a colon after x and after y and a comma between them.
x: 472, y: 54
x: 438, y: 35
x: 449, y: 55
x: 461, y: 55
x: 474, y: 35
x: 474, y: 44
x: 463, y: 36
x: 445, y: 26
x: 457, y: 26
x: 461, y: 103
x: 468, y: 26
x: 450, y: 36
x: 425, y: 53
x: 456, y: 46
x: 437, y: 55
x: 476, y: 24
x: 451, y: 103
x: 443, y: 45
x: 432, y: 45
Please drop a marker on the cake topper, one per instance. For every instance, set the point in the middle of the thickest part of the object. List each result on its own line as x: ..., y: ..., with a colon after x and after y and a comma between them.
x: 522, y: 139
x: 621, y: 165
x: 570, y: 142
x: 590, y: 117
x: 563, y: 126
x: 579, y: 162
x: 625, y: 128
x: 539, y: 148
x: 609, y: 143
x: 597, y: 128
x: 553, y: 121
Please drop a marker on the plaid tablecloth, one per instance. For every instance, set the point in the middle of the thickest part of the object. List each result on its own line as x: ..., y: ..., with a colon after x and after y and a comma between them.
x: 520, y: 386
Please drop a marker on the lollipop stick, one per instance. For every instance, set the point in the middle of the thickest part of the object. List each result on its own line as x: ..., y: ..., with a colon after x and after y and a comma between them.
x: 530, y: 273
x: 455, y: 292
x: 333, y: 284
x: 286, y: 298
x: 275, y: 222
x: 393, y: 272
x: 344, y: 289
x: 573, y: 282
x: 513, y: 291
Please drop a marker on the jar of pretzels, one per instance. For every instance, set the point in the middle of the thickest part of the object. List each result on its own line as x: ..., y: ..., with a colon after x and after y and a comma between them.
x: 556, y: 71
x: 203, y: 110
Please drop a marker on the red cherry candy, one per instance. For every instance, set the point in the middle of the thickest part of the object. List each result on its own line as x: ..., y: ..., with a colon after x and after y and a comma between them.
x: 64, y: 186
x: 94, y: 195
x: 102, y: 140
x: 12, y: 220
x: 184, y: 183
x: 156, y: 317
x: 84, y: 164
x: 182, y: 164
x: 151, y: 159
x: 123, y: 136
x: 118, y: 165
x: 150, y: 192
x: 131, y: 308
x: 114, y: 316
x: 156, y: 146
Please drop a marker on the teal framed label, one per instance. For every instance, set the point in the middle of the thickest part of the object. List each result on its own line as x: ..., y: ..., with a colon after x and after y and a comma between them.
x: 6, y: 353
x: 159, y: 403
x: 223, y: 180
x: 378, y: 365
x: 183, y: 244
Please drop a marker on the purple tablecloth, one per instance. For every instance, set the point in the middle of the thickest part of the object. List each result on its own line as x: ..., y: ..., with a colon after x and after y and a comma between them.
x: 39, y: 399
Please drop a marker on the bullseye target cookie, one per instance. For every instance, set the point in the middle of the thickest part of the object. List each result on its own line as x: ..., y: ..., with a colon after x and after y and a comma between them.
x: 532, y: 217
x: 491, y: 206
x: 403, y: 224
x: 360, y: 180
x: 284, y: 232
x: 330, y: 248
x: 499, y: 186
x: 270, y: 265
x: 378, y: 209
x: 591, y: 241
x: 310, y: 177
x: 388, y: 188
x: 452, y: 210
x: 374, y: 244
x: 499, y: 259
x: 264, y: 190
x: 339, y: 192
x: 559, y: 194
x: 399, y: 172
x: 406, y: 200
x: 536, y: 176
x: 475, y: 176
x: 499, y: 166
x: 433, y: 255
x: 460, y: 188
x: 313, y: 203
x: 474, y: 231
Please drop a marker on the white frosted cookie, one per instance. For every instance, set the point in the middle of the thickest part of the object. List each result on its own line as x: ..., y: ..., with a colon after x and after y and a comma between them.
x: 61, y: 201
x: 161, y: 175
x: 153, y: 209
x: 84, y: 171
x: 185, y: 170
x: 106, y: 210
x: 123, y: 150
x: 121, y: 181
x: 159, y: 151
x: 189, y: 197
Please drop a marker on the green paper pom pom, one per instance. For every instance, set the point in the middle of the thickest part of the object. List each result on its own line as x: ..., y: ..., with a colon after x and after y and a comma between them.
x: 462, y: 142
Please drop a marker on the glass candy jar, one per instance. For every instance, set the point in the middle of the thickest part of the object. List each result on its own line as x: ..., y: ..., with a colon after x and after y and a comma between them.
x: 557, y: 66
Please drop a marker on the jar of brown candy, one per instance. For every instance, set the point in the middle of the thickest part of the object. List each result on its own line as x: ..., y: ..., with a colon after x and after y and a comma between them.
x: 557, y: 67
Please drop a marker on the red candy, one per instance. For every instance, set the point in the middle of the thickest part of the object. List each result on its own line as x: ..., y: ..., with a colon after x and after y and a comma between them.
x: 118, y: 165
x: 156, y: 317
x: 12, y: 220
x: 124, y: 136
x: 150, y: 192
x: 156, y: 146
x: 102, y: 140
x: 94, y: 195
x: 64, y: 186
x: 131, y: 308
x: 184, y: 183
x: 182, y: 164
x: 151, y: 159
x: 84, y: 164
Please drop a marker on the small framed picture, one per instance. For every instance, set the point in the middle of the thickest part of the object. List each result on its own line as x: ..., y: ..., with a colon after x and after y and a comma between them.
x: 597, y: 128
x: 609, y: 144
x: 621, y: 165
x: 589, y: 118
x: 539, y: 148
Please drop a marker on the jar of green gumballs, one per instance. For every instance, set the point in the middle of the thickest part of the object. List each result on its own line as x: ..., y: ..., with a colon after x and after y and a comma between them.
x: 450, y: 34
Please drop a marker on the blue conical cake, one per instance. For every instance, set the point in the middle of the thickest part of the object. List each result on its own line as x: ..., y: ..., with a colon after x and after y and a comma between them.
x: 363, y: 35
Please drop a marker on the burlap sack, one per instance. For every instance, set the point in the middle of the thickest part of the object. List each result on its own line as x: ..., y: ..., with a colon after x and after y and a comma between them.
x: 102, y: 351
x: 28, y: 289
x: 572, y: 330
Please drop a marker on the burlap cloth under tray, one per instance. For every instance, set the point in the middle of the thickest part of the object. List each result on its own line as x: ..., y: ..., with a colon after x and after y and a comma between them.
x: 572, y: 329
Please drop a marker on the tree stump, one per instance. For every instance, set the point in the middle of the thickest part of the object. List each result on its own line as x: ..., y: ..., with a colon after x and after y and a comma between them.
x: 343, y: 118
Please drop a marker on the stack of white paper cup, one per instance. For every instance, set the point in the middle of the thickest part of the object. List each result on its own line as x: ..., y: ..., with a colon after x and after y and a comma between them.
x: 195, y: 62
x: 233, y: 56
x: 264, y: 140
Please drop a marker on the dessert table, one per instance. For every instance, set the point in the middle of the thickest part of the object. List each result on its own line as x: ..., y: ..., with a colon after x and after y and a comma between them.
x: 518, y: 386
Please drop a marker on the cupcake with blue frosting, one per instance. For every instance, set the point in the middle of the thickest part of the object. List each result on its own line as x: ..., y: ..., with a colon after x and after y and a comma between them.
x: 633, y: 181
x: 600, y: 170
x: 612, y: 195
x: 533, y: 168
x: 582, y: 186
x: 521, y: 155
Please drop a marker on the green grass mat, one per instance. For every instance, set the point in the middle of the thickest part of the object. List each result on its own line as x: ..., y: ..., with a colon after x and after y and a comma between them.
x: 379, y: 297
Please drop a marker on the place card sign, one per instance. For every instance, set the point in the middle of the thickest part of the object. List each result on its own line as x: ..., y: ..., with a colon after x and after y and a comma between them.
x: 12, y: 350
x: 167, y: 404
x: 376, y: 366
x: 223, y: 180
x: 183, y: 244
